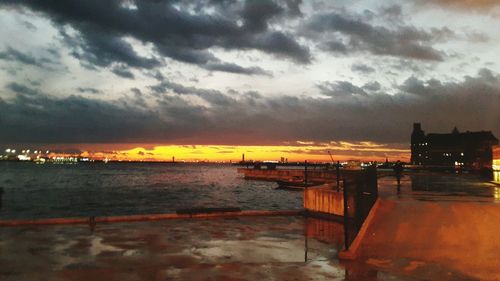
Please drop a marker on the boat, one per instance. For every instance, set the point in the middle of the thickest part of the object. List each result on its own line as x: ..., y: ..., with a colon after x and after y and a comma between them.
x: 294, y: 185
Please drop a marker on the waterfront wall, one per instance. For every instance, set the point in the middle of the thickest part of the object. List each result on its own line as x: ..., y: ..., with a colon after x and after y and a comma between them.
x: 324, y: 200
x: 288, y: 174
x: 148, y: 217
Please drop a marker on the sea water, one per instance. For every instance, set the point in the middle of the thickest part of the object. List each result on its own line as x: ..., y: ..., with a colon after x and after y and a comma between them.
x: 96, y: 189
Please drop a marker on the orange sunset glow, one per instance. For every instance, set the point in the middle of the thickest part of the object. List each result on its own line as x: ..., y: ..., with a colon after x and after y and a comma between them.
x: 299, y: 151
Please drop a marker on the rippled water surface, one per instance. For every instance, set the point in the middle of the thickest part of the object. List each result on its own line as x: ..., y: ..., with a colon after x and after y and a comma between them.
x: 43, y: 191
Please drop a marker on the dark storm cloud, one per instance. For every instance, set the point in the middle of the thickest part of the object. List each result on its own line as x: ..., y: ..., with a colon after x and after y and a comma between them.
x: 72, y: 119
x: 372, y: 86
x: 173, y: 30
x: 463, y: 4
x: 234, y: 68
x: 212, y: 96
x: 257, y: 13
x: 348, y: 33
x: 101, y: 49
x: 138, y: 98
x: 123, y: 72
x: 136, y: 91
x: 363, y: 68
x: 29, y: 25
x: 10, y: 54
x: 278, y: 43
x: 471, y: 104
x: 22, y: 89
x: 88, y: 90
x: 294, y: 7
x: 393, y: 13
x: 340, y: 89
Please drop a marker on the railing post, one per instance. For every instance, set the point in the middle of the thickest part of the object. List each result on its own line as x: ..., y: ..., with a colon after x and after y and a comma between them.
x: 92, y: 223
x: 305, y: 173
x: 337, y: 168
x: 346, y: 217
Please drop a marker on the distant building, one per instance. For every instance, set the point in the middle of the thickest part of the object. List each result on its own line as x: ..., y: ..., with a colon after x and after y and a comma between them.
x: 469, y: 150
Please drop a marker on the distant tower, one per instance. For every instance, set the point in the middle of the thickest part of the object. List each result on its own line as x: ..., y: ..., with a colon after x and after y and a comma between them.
x: 243, y: 157
x: 418, y: 145
x: 173, y: 159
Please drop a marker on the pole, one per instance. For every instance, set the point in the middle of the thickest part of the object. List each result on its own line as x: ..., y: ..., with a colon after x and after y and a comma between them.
x: 346, y: 219
x: 337, y: 168
x: 305, y: 238
x: 305, y: 173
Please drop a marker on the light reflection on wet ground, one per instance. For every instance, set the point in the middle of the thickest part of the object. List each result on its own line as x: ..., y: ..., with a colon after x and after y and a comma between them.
x: 215, y: 249
x: 258, y: 248
x: 441, y: 187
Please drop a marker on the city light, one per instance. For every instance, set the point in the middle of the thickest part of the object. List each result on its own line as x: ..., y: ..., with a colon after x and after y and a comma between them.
x: 23, y: 158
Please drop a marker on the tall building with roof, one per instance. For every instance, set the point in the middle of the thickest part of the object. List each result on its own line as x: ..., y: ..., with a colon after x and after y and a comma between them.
x: 469, y: 150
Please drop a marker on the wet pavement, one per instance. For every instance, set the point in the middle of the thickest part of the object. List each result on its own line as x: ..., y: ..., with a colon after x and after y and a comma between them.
x: 436, y: 222
x: 440, y: 187
x: 250, y: 248
x: 214, y: 249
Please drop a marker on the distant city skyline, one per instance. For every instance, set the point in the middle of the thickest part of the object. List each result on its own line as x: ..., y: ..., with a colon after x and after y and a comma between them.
x: 214, y: 79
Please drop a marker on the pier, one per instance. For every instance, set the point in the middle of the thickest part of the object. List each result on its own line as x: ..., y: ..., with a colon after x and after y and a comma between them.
x: 318, y: 176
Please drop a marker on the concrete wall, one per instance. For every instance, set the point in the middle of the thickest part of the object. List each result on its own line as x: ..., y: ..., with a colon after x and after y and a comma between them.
x: 324, y: 201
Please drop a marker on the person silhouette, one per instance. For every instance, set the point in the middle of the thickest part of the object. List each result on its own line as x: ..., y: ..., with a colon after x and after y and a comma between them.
x: 1, y: 197
x: 398, y: 171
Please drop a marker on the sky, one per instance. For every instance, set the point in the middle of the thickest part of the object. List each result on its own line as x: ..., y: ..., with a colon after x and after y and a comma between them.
x: 210, y: 80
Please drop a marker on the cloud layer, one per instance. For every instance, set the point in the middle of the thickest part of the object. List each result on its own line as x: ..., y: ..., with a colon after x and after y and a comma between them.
x: 173, y: 28
x: 244, y: 72
x: 347, y: 112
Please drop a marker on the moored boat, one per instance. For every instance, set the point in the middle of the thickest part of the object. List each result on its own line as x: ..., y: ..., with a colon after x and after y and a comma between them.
x: 294, y: 185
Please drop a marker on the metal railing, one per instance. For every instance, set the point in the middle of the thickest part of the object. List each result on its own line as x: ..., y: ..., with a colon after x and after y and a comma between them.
x: 360, y: 194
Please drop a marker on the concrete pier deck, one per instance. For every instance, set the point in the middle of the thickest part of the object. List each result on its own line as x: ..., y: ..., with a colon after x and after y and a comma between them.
x: 447, y: 221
